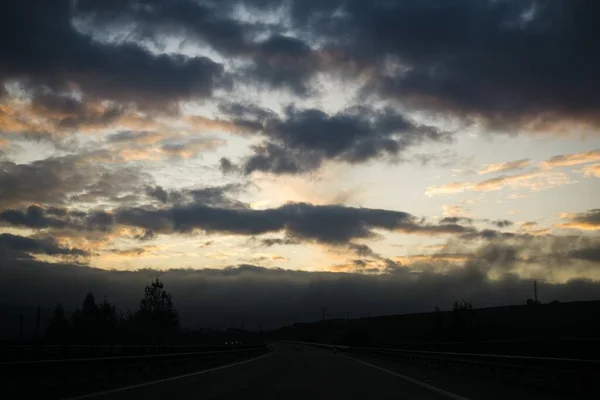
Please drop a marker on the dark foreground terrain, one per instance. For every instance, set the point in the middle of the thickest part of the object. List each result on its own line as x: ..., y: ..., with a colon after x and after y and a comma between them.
x: 293, y: 371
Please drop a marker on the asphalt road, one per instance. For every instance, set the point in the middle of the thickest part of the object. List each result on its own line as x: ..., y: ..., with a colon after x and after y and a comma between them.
x: 287, y: 372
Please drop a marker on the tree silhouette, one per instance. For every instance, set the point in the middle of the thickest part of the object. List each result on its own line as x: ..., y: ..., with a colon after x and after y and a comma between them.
x: 157, y: 316
x: 59, y: 328
x: 465, y: 319
x: 85, y: 321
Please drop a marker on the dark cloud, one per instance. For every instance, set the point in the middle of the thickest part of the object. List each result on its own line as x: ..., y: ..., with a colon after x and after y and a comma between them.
x: 503, y: 223
x: 208, y: 24
x: 212, y: 196
x: 499, y: 254
x: 212, y: 210
x: 455, y: 220
x: 158, y: 193
x: 55, y: 220
x: 491, y: 234
x: 511, y: 252
x: 284, y: 62
x: 510, y: 62
x: 332, y: 224
x: 226, y: 166
x: 99, y: 220
x: 268, y: 242
x: 67, y: 113
x: 588, y: 254
x: 278, y: 61
x: 589, y: 220
x: 50, y: 52
x: 304, y: 138
x: 362, y: 250
x: 59, y: 180
x: 34, y: 217
x: 21, y: 244
x: 49, y: 103
x: 131, y: 136
x: 275, y: 297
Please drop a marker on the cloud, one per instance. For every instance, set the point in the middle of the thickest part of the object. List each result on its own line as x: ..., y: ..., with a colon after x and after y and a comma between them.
x: 592, y: 170
x: 203, y: 23
x: 134, y: 251
x: 268, y: 242
x: 362, y: 250
x: 564, y: 160
x: 433, y: 258
x: 21, y: 244
x: 589, y: 220
x: 226, y: 166
x: 450, y: 188
x: 475, y: 59
x: 534, y: 181
x: 506, y: 166
x: 330, y: 224
x: 34, y: 217
x: 591, y: 254
x: 455, y: 210
x: 502, y: 63
x: 211, y: 210
x: 136, y: 137
x: 214, y: 196
x: 502, y: 223
x: 59, y: 180
x: 455, y: 220
x: 304, y: 138
x: 275, y: 297
x: 54, y: 54
x: 191, y: 148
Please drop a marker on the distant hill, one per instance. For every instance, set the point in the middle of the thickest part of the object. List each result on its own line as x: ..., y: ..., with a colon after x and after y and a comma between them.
x: 458, y: 330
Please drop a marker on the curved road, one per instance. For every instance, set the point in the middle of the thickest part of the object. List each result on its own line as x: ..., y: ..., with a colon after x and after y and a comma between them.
x: 287, y: 372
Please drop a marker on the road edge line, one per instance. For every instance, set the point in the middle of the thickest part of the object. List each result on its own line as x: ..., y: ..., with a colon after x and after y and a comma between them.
x: 172, y: 378
x: 411, y: 380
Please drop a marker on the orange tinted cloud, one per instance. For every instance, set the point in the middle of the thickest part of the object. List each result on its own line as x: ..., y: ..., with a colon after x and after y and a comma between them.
x: 506, y: 166
x: 357, y: 267
x: 135, y: 251
x: 429, y: 258
x: 571, y: 159
x: 191, y: 148
x: 198, y: 122
x: 451, y: 188
x: 589, y: 221
x: 454, y: 211
x: 534, y: 181
x: 149, y: 154
x: 592, y: 170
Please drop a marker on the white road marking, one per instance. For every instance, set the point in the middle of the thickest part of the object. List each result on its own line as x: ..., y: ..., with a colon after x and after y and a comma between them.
x: 88, y: 396
x: 411, y: 380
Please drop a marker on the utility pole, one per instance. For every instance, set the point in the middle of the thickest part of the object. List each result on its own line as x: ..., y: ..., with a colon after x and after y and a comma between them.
x: 535, y: 291
x: 323, y: 313
x: 37, y: 323
x: 20, y: 328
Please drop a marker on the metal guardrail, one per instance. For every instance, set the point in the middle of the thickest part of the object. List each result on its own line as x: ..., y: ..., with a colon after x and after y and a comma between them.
x: 44, y: 352
x: 56, y: 378
x: 552, y: 373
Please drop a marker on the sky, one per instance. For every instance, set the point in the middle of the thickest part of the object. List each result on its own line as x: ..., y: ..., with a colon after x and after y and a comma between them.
x: 306, y: 151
